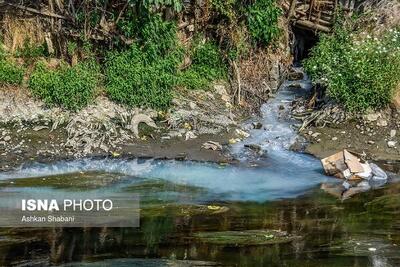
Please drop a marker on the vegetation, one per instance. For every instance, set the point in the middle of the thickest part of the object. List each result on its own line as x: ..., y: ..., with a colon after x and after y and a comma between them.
x: 146, y: 75
x: 69, y: 87
x: 262, y: 20
x: 31, y: 51
x: 137, y: 45
x: 240, y: 23
x: 207, y: 66
x: 10, y: 73
x: 359, y: 70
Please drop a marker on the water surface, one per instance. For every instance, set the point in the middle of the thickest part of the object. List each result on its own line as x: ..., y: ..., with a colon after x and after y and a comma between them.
x: 267, y: 210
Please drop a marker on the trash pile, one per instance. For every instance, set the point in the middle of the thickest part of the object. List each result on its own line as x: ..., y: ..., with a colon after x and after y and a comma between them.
x: 358, y: 176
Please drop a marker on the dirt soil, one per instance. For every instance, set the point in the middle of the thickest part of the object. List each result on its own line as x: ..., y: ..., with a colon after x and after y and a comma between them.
x: 377, y: 140
x: 32, y: 132
x: 46, y: 146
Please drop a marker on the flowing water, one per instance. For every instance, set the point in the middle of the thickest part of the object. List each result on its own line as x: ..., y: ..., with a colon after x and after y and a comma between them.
x: 266, y: 210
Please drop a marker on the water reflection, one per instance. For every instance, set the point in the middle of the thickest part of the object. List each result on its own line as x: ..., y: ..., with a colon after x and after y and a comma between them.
x: 363, y: 231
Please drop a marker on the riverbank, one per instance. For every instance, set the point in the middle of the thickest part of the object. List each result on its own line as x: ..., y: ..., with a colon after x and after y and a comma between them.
x: 373, y: 136
x: 31, y: 131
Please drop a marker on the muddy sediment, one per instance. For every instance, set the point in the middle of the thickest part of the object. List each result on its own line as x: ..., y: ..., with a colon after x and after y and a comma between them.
x: 31, y: 131
x: 374, y: 137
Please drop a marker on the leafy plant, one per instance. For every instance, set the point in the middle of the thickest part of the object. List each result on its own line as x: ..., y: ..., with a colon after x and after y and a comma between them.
x: 10, y: 73
x: 226, y: 8
x: 145, y: 75
x: 71, y: 48
x: 207, y: 66
x: 69, y: 87
x: 359, y: 70
x: 262, y: 21
x: 31, y: 51
x: 158, y: 37
x: 176, y: 5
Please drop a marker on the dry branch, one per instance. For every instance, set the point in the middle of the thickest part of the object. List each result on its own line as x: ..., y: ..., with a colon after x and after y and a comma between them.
x: 35, y: 11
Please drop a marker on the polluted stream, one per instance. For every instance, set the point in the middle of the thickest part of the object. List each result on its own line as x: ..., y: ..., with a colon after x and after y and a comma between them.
x: 266, y: 210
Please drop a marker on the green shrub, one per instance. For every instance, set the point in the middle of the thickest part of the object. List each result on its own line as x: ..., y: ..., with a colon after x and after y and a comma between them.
x: 191, y: 79
x: 226, y: 8
x: 158, y: 37
x: 262, y: 21
x: 207, y: 66
x: 207, y: 60
x: 70, y: 87
x: 10, y: 73
x: 145, y: 74
x: 359, y: 70
x: 30, y: 51
x: 176, y: 5
x: 131, y: 79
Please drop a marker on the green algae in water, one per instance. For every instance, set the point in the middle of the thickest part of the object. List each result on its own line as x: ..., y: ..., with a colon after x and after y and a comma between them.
x: 158, y: 185
x: 74, y: 181
x: 245, y: 238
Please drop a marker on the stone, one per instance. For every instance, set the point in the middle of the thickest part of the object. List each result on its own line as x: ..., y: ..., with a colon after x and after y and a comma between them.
x: 371, y: 142
x: 315, y: 135
x: 220, y: 89
x: 38, y: 128
x: 372, y: 116
x: 392, y: 133
x: 257, y: 125
x: 242, y: 133
x: 382, y: 123
x: 294, y: 86
x: 212, y: 145
x: 334, y: 138
x: 391, y: 144
x: 190, y: 27
x: 190, y: 135
x: 192, y: 105
x: 233, y: 141
x: 295, y: 75
x: 253, y: 147
x: 7, y: 138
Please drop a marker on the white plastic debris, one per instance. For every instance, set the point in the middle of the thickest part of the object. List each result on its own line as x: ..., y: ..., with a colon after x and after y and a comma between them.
x: 378, y: 173
x: 346, y: 185
x: 364, y: 184
x: 367, y: 173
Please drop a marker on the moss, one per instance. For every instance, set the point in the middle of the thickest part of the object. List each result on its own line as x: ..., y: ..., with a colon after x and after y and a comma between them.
x: 73, y: 181
x: 161, y: 185
x: 386, y: 203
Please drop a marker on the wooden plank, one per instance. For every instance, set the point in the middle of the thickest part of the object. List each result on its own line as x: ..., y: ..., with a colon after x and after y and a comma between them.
x: 312, y: 26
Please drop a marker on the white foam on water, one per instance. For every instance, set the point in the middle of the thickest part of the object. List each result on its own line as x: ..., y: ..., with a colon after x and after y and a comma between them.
x: 126, y: 167
x: 283, y: 174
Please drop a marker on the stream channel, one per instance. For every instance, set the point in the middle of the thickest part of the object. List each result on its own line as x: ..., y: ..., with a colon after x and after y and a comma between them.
x: 263, y: 211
